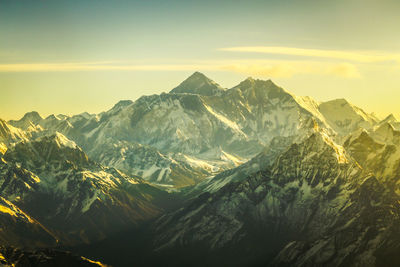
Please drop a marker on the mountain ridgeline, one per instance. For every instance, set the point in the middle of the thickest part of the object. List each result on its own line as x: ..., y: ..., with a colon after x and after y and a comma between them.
x: 203, y: 175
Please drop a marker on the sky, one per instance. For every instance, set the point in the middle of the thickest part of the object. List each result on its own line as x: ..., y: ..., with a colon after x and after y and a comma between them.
x: 85, y: 55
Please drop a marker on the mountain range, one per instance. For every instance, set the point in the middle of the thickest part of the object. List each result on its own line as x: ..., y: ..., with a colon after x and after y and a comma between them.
x: 204, y: 175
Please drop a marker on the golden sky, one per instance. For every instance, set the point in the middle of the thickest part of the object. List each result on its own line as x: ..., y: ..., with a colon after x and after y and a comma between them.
x: 74, y: 56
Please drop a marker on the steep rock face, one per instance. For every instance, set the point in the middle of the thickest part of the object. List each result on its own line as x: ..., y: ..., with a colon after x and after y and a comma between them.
x: 19, y: 229
x: 386, y: 133
x: 378, y: 152
x: 10, y: 256
x: 170, y: 122
x: 344, y: 117
x: 365, y: 233
x: 312, y: 192
x: 10, y: 135
x: 16, y: 182
x: 198, y: 84
x: 150, y: 164
x: 392, y: 120
x: 55, y: 124
x: 260, y: 162
x: 78, y: 199
x: 263, y: 110
x: 28, y: 122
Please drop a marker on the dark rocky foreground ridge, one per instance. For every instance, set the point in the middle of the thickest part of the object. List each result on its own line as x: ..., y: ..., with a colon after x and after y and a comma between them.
x: 247, y: 176
x: 43, y: 257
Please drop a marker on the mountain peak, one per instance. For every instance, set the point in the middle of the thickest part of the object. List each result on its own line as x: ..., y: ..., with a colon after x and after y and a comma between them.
x: 318, y: 140
x: 345, y: 117
x: 33, y: 116
x: 198, y: 83
x: 59, y: 139
x: 390, y: 118
x: 385, y: 127
x: 52, y: 117
x: 250, y: 81
x: 198, y: 74
x: 62, y: 140
x: 262, y: 88
x: 338, y: 101
x: 122, y: 104
x: 29, y: 119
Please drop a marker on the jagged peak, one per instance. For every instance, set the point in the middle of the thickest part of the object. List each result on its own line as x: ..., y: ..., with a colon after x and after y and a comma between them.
x: 52, y: 117
x: 198, y: 74
x: 338, y: 101
x: 33, y: 116
x: 9, y: 132
x: 385, y: 132
x: 59, y: 139
x: 122, y: 103
x: 344, y: 116
x: 321, y: 139
x: 3, y: 123
x: 362, y: 136
x: 62, y: 140
x: 249, y: 80
x: 198, y: 83
x: 84, y: 114
x: 251, y: 83
x: 390, y: 118
x: 62, y: 116
x: 386, y: 126
x: 30, y: 119
x: 196, y: 77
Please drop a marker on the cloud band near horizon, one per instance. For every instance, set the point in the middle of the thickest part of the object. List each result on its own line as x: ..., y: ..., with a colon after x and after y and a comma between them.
x: 356, y: 56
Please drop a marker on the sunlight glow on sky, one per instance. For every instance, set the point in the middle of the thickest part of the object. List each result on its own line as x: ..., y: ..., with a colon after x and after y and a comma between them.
x: 81, y: 55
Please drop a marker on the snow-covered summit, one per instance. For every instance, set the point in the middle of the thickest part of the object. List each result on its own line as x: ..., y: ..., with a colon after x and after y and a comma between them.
x: 345, y: 117
x: 61, y: 140
x: 200, y: 84
x: 28, y: 121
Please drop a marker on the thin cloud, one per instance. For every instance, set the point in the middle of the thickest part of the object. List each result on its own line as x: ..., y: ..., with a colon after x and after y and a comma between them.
x: 357, y: 56
x: 287, y: 69
x: 270, y: 70
x: 257, y: 68
x: 40, y: 67
x: 345, y: 70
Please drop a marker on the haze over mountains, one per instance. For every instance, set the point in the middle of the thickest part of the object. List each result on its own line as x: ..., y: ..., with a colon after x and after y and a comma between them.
x: 248, y: 175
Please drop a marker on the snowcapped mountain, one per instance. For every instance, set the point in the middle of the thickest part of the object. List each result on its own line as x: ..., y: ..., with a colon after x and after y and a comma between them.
x: 312, y: 207
x: 392, y: 120
x: 196, y: 130
x: 344, y: 117
x: 238, y: 121
x: 79, y: 200
x: 260, y: 162
x: 9, y: 135
x: 198, y: 84
x: 28, y: 122
x: 150, y: 164
x: 19, y: 229
x: 261, y: 177
x: 378, y: 151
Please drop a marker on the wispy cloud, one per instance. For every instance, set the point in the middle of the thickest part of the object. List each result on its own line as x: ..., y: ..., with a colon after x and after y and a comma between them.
x: 345, y: 70
x: 287, y: 69
x: 280, y: 70
x: 357, y: 56
x: 94, y: 66
x: 257, y: 68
